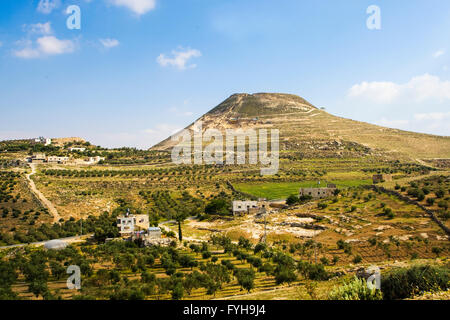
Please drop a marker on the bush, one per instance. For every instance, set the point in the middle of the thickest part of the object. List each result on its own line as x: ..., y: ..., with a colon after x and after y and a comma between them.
x: 356, y: 289
x: 313, y: 271
x: 443, y: 204
x: 406, y: 282
x: 357, y: 259
x: 388, y: 213
x: 218, y: 206
x: 246, y: 279
x: 440, y: 193
x: 292, y: 199
x: 322, y: 205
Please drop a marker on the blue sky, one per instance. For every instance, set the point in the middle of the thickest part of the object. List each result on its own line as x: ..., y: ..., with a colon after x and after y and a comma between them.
x: 138, y: 70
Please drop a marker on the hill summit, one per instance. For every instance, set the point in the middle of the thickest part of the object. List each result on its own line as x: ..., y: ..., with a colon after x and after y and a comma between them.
x: 311, y: 132
x: 259, y: 104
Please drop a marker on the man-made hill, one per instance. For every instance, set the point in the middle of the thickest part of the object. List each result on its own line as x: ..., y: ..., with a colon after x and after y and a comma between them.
x: 312, y: 132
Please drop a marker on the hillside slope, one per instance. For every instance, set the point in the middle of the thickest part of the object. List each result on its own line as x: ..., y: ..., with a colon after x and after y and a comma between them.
x: 311, y: 131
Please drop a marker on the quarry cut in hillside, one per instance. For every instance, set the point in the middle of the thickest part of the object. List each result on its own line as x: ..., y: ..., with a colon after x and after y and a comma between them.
x: 312, y: 132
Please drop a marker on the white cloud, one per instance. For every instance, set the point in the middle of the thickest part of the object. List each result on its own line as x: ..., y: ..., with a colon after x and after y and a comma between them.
x: 109, y: 43
x: 419, y: 89
x: 39, y: 28
x: 438, y: 53
x: 47, y: 6
x: 52, y: 45
x: 46, y: 46
x: 438, y: 116
x: 383, y: 92
x: 137, y: 6
x: 179, y: 58
x: 432, y: 122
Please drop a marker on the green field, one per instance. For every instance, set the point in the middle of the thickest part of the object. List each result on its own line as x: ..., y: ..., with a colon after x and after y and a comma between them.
x: 281, y: 190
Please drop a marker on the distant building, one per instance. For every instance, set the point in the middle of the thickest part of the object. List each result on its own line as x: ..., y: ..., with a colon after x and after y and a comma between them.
x: 45, y: 141
x: 37, y: 158
x: 77, y: 149
x: 129, y: 224
x: 317, y: 193
x: 331, y: 185
x: 154, y: 233
x: 381, y: 178
x: 94, y: 160
x: 240, y: 207
x: 56, y: 159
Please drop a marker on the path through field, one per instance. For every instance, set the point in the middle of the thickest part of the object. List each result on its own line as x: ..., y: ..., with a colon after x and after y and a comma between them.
x: 51, y: 208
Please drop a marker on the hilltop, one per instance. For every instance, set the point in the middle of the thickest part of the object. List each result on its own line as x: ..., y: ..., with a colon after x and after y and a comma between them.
x: 313, y: 132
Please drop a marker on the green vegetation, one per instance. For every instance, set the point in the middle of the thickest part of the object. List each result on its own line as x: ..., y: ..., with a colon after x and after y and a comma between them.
x: 282, y: 190
x: 355, y: 289
x: 407, y: 282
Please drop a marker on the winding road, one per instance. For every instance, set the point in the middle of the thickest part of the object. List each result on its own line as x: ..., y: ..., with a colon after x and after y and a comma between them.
x: 69, y: 240
x: 51, y: 208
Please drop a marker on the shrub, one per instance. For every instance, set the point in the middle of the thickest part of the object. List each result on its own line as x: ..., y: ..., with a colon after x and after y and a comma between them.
x: 322, y: 205
x: 443, y: 204
x: 357, y: 259
x: 420, y: 196
x: 406, y: 282
x: 292, y: 199
x: 218, y: 206
x: 436, y: 250
x: 246, y: 279
x: 356, y: 289
x: 388, y: 213
x: 313, y: 271
x: 440, y: 193
x: 372, y: 241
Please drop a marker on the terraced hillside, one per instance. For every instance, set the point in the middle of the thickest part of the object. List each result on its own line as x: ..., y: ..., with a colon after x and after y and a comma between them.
x: 312, y: 132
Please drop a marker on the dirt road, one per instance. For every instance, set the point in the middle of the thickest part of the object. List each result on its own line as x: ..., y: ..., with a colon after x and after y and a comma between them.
x: 51, y: 208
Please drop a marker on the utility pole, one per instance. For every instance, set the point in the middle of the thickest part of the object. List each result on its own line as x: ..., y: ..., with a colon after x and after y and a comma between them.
x: 315, y: 252
x: 265, y: 229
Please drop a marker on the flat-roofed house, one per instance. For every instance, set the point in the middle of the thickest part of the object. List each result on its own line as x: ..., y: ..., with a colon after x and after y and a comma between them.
x: 37, y: 158
x: 154, y: 233
x: 317, y: 193
x: 129, y: 223
x: 55, y: 159
x: 247, y: 206
x: 126, y: 225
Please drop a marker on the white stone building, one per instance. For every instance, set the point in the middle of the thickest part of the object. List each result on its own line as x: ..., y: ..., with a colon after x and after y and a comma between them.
x: 240, y: 207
